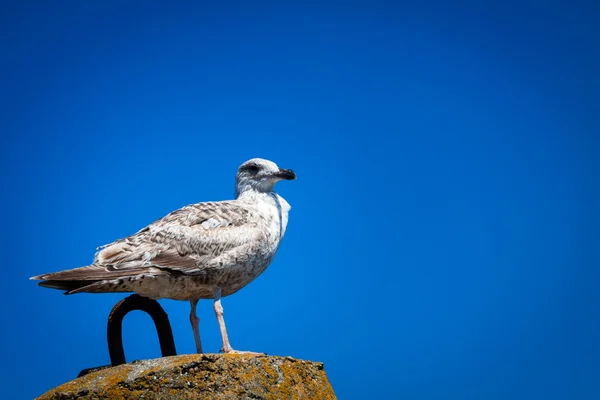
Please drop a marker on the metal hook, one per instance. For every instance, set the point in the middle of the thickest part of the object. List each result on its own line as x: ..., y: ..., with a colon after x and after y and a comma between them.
x: 114, y: 331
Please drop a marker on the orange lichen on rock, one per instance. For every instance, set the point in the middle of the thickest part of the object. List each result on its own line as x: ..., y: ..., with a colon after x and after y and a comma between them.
x: 202, y: 376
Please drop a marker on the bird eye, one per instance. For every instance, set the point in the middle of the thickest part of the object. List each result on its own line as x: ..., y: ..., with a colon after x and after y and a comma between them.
x: 253, y: 169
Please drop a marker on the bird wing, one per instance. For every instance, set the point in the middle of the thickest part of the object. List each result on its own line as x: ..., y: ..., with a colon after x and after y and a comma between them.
x: 186, y: 241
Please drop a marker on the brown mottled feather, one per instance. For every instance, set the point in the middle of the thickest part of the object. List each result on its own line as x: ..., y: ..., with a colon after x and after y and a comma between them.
x: 180, y: 242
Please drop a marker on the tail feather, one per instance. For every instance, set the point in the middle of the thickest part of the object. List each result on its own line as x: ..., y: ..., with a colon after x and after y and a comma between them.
x: 90, y: 279
x: 68, y: 286
x: 112, y: 286
x: 92, y: 272
x: 78, y: 280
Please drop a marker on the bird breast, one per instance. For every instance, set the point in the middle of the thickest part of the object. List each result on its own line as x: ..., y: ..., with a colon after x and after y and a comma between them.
x: 275, y: 210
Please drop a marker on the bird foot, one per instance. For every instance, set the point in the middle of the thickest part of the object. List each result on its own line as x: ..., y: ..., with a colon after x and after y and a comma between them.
x: 232, y: 351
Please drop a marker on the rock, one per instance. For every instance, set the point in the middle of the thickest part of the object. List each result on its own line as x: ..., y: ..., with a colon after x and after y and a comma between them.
x: 202, y: 376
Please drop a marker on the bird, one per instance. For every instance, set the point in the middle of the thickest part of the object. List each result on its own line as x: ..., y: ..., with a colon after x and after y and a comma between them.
x: 206, y: 250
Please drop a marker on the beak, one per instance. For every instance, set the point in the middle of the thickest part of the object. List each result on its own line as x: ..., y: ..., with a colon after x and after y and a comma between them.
x: 286, y: 174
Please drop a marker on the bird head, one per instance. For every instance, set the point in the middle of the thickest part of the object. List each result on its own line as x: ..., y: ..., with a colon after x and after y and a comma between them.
x: 260, y: 175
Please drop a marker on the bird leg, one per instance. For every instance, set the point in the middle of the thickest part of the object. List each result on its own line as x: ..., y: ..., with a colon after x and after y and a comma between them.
x: 219, y: 313
x: 195, y: 320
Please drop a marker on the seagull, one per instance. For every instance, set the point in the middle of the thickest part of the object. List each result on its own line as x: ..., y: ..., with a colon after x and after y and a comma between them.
x: 205, y: 250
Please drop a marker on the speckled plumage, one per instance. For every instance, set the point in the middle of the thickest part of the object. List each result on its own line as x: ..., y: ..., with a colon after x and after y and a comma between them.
x: 204, y: 250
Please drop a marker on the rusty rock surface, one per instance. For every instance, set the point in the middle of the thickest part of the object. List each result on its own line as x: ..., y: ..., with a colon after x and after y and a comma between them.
x: 202, y: 376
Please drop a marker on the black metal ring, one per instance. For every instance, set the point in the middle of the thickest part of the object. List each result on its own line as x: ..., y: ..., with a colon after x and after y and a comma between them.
x: 114, y: 332
x: 114, y: 329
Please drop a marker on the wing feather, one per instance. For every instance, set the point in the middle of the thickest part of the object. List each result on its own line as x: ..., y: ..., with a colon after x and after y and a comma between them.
x: 186, y: 241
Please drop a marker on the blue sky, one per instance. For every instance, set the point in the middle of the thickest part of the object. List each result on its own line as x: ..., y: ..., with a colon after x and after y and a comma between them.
x: 443, y: 239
